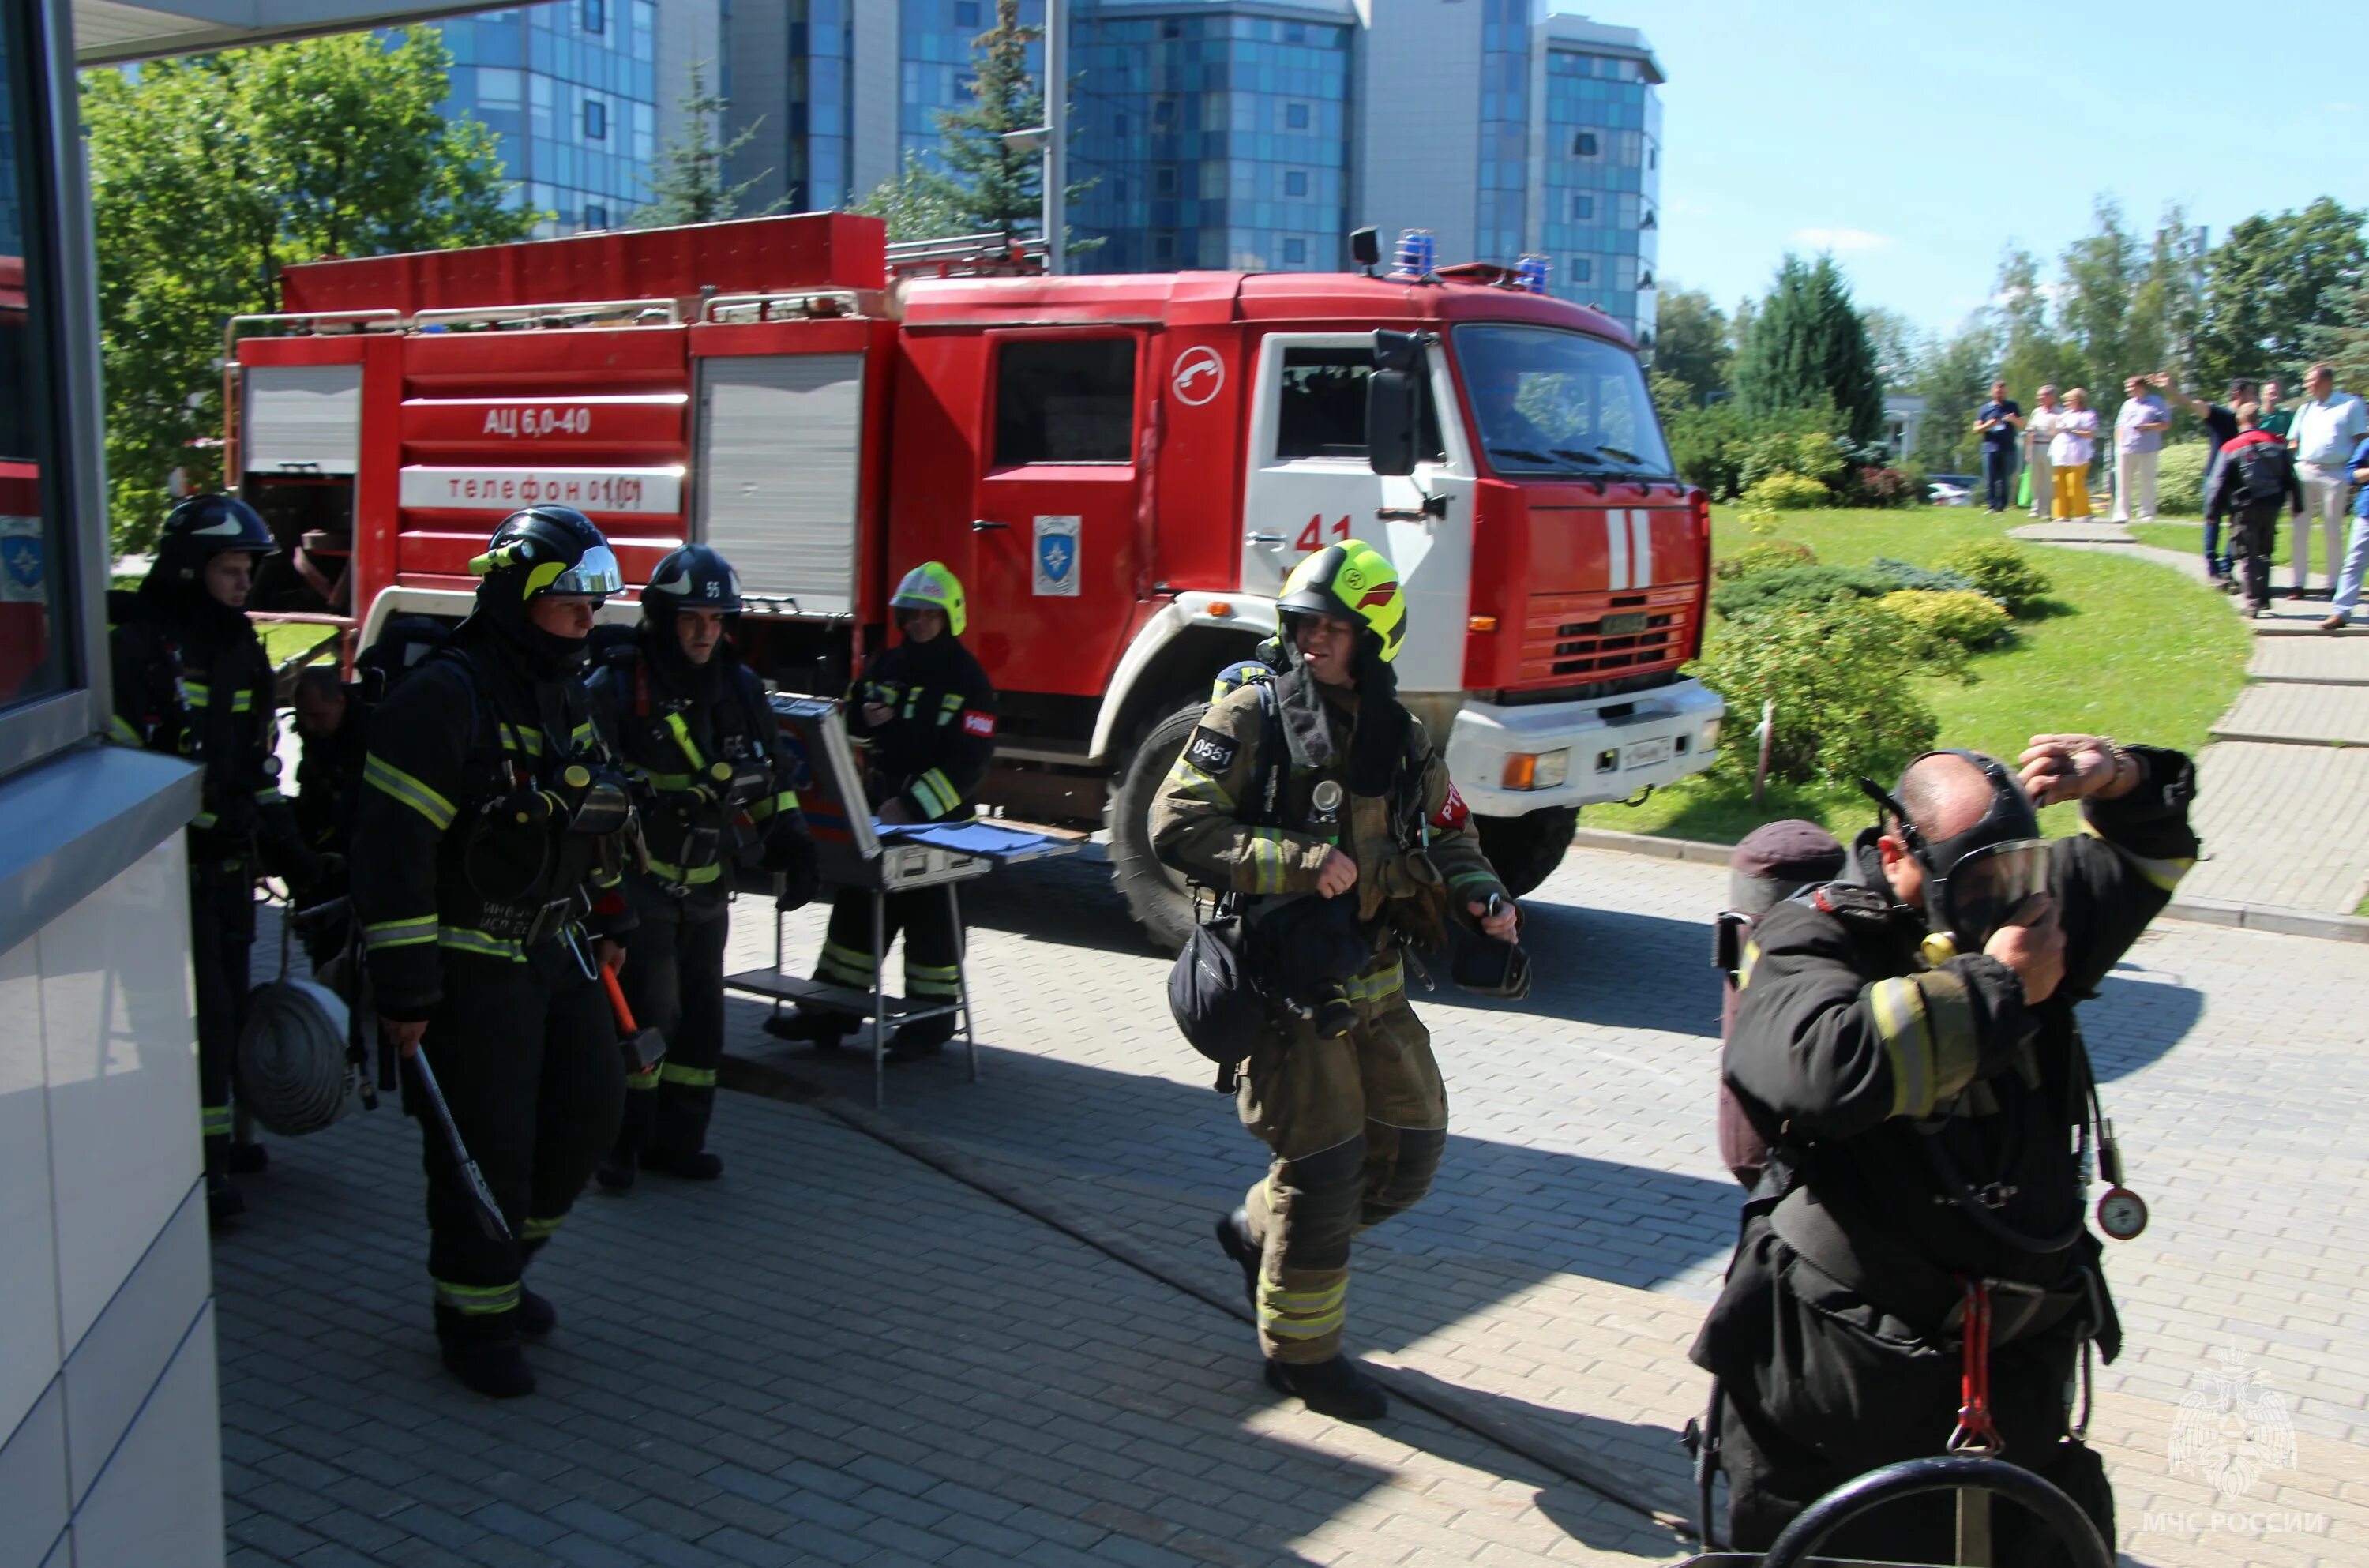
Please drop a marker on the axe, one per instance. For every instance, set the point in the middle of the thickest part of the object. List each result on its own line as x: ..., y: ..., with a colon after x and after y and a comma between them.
x: 489, y: 1213
x: 644, y: 1048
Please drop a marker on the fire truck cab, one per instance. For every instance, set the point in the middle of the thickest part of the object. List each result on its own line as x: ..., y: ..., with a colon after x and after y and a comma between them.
x: 1121, y: 469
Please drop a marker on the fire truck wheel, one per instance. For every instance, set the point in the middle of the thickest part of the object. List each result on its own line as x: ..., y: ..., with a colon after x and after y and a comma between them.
x: 1155, y: 896
x: 1524, y: 850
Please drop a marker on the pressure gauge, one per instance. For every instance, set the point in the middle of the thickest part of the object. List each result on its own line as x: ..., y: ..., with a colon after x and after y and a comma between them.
x: 2121, y: 1213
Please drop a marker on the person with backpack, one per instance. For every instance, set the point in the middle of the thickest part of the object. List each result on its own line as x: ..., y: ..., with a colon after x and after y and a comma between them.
x: 489, y: 843
x: 924, y: 710
x: 1913, y: 1272
x: 191, y: 680
x: 700, y: 744
x: 1319, y: 784
x: 2255, y: 475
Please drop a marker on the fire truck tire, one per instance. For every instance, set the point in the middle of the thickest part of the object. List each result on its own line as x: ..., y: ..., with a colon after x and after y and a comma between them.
x: 1156, y: 897
x: 1524, y: 850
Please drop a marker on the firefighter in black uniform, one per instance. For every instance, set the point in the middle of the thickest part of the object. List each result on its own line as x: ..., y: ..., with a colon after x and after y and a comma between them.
x: 191, y: 680
x: 1365, y: 826
x: 926, y: 714
x: 487, y: 877
x: 702, y: 748
x: 1906, y: 1040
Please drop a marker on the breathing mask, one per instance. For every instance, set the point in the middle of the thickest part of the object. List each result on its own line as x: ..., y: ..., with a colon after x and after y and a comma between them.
x: 1976, y: 881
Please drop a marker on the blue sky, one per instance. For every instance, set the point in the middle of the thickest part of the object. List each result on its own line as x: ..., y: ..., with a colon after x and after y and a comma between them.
x: 1917, y: 139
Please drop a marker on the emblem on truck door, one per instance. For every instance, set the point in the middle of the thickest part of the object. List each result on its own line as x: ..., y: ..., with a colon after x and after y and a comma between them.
x: 1057, y: 557
x: 1200, y: 376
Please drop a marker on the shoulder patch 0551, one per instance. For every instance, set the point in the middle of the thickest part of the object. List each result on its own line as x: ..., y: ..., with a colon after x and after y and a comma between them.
x: 1210, y: 751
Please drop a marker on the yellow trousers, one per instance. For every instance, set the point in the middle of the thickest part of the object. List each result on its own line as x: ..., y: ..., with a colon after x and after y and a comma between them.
x: 2072, y: 491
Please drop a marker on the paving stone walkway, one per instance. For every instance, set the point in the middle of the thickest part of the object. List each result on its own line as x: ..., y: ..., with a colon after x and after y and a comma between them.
x: 841, y: 1354
x: 2275, y: 759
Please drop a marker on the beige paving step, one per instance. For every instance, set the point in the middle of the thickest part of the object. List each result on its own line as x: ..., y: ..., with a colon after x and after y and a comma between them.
x: 2282, y: 825
x: 2329, y: 661
x: 2314, y: 715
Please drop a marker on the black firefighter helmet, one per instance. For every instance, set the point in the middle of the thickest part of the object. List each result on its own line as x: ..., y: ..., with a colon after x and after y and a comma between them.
x: 694, y: 577
x: 203, y: 527
x: 544, y: 551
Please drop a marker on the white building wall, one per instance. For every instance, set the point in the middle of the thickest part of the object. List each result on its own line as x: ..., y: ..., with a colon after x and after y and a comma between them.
x: 111, y: 1457
x: 1418, y: 97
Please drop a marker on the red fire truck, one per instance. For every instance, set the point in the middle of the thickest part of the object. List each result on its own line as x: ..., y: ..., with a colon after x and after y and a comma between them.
x: 1121, y: 470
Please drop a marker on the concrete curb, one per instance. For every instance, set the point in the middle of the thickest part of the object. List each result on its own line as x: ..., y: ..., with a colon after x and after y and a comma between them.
x: 2205, y: 912
x: 1450, y: 1403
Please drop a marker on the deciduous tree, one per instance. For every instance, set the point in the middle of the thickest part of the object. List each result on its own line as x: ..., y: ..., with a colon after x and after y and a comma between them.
x: 1691, y: 343
x: 2273, y: 279
x: 209, y: 174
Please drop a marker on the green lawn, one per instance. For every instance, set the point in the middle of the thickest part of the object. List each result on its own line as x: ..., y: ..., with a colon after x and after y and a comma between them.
x: 2128, y: 649
x: 285, y: 639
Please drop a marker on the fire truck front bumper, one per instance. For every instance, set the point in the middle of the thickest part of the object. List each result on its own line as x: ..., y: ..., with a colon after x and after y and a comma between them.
x: 1508, y: 761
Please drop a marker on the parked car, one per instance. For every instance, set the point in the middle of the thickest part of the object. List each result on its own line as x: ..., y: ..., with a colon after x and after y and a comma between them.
x: 1952, y: 489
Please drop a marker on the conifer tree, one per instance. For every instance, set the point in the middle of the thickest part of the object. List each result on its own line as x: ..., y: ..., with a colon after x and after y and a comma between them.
x: 1809, y: 348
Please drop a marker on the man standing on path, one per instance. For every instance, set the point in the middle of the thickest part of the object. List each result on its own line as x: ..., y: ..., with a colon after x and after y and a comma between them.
x: 1998, y: 424
x: 2326, y: 427
x: 2138, y: 442
x: 2038, y: 431
x: 2220, y: 430
x: 2356, y: 551
x: 2258, y: 482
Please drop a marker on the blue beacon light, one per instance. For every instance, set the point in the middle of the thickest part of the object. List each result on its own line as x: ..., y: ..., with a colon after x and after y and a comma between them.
x: 1418, y: 253
x: 1530, y: 272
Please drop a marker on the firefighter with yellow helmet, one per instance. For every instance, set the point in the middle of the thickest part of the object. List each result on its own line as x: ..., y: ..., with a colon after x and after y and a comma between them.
x: 924, y: 710
x: 1312, y: 796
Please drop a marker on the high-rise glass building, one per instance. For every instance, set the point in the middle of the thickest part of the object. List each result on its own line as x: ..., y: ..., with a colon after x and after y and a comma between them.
x: 1213, y: 135
x: 792, y: 80
x: 570, y: 88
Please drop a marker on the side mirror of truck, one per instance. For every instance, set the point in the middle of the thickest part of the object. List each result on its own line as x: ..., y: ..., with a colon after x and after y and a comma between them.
x: 1394, y: 402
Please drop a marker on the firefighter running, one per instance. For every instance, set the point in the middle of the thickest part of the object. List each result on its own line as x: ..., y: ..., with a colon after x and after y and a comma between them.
x: 191, y: 680
x: 487, y: 844
x: 1356, y: 1120
x: 1906, y: 1041
x: 926, y: 714
x: 696, y: 737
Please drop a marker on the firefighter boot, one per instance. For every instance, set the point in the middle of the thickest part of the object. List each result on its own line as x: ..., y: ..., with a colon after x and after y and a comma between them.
x: 699, y: 1165
x: 1338, y: 1388
x: 824, y: 1029
x: 921, y: 1038
x: 536, y: 1316
x: 616, y: 1171
x: 483, y: 1351
x: 248, y: 1158
x: 1234, y: 1236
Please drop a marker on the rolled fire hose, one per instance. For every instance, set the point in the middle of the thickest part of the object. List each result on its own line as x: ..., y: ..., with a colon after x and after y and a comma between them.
x: 291, y: 1072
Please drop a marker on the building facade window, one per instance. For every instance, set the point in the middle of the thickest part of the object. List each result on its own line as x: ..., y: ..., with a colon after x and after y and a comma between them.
x: 1584, y: 145
x: 1582, y: 208
x: 37, y: 624
x: 1244, y: 149
x: 570, y: 91
x: 595, y: 215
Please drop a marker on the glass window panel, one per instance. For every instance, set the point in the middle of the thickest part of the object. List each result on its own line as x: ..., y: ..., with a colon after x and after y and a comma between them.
x: 1071, y: 400
x: 33, y: 589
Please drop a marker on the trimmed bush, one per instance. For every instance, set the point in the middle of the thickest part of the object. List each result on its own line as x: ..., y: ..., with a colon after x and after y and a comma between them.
x: 1763, y: 556
x: 1841, y: 675
x: 1788, y: 587
x: 1999, y: 569
x: 1961, y: 619
x: 1786, y: 492
x: 1881, y: 486
x: 2179, y: 479
x: 1923, y: 579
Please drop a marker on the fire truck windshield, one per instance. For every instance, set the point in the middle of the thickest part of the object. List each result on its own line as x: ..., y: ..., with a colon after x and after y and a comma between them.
x: 1550, y: 402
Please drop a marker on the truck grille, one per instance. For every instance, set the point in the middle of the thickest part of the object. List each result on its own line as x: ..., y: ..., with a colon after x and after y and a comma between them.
x: 1594, y: 636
